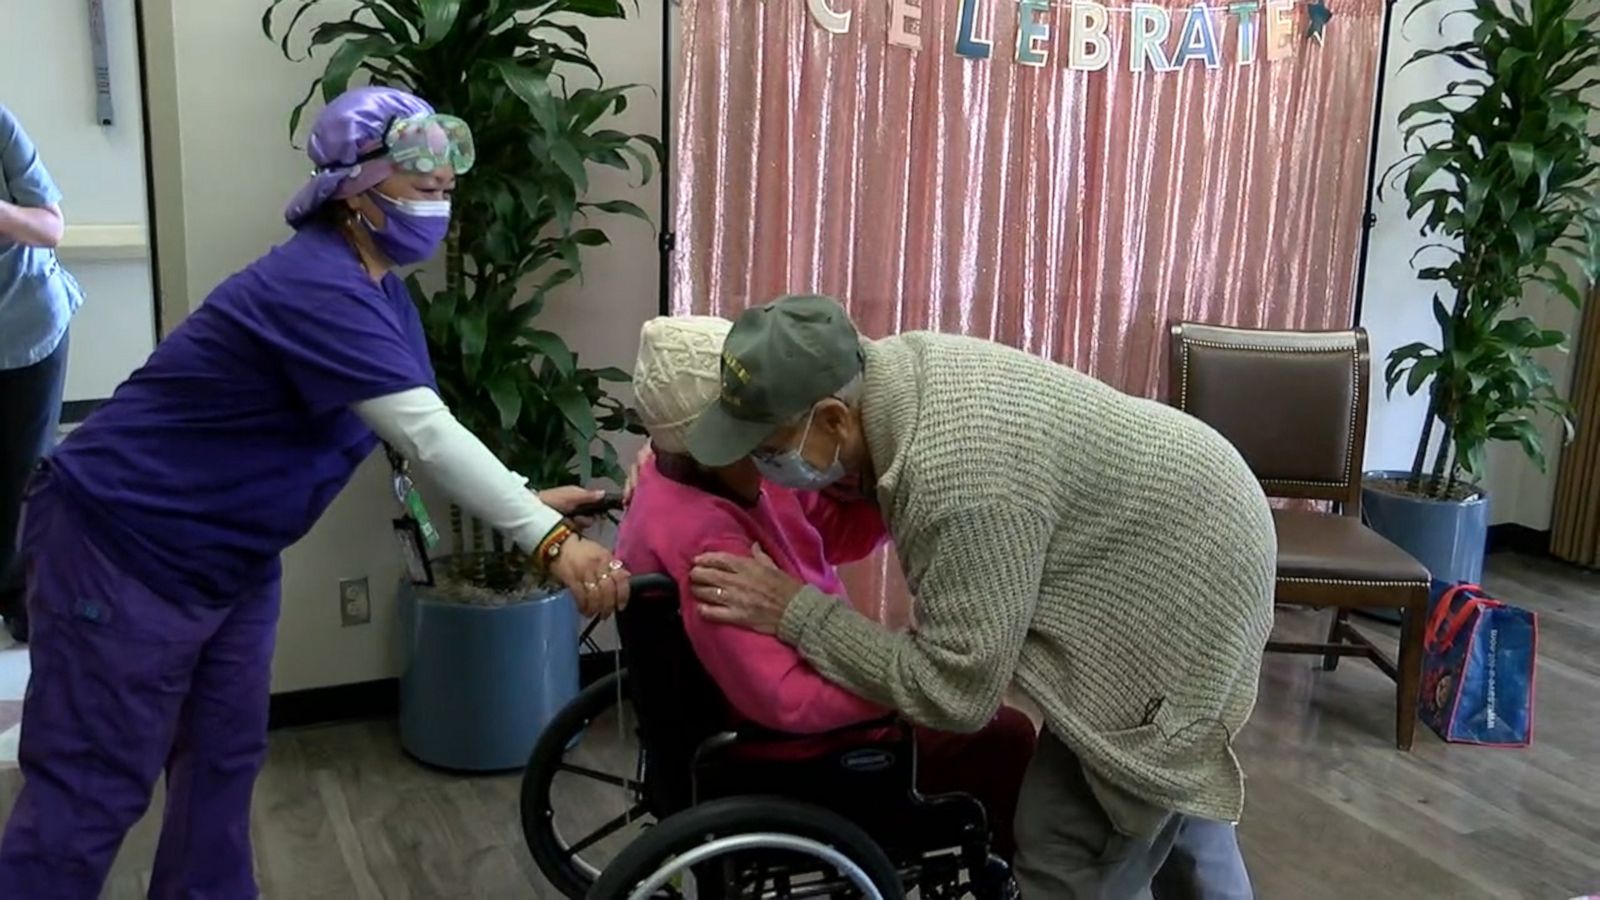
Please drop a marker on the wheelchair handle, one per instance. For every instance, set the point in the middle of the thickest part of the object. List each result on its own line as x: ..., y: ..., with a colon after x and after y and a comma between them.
x: 653, y: 583
x: 610, y: 503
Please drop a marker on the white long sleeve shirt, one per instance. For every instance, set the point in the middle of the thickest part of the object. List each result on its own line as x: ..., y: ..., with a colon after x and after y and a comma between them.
x: 417, y: 425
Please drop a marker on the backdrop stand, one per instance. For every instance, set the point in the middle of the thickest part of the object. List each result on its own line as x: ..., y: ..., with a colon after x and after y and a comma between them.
x: 668, y: 240
x: 1369, y: 218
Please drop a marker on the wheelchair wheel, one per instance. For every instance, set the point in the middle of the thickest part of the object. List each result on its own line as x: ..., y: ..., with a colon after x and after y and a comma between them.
x: 583, y: 789
x: 751, y: 847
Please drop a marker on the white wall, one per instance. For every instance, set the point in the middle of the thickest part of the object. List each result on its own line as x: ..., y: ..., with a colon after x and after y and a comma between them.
x: 1397, y: 307
x: 47, y: 80
x: 234, y: 95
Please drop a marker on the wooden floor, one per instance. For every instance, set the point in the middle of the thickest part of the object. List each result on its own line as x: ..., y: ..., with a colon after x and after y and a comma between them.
x: 1334, y: 811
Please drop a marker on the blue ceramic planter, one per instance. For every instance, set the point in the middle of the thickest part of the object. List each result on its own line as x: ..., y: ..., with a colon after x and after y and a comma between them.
x: 1448, y: 537
x: 480, y: 683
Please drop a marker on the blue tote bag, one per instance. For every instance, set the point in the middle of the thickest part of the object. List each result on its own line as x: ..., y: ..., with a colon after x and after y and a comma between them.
x: 1478, y: 668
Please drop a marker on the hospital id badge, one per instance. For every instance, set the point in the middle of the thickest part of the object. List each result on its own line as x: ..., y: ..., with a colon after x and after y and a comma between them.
x: 418, y: 511
x: 418, y: 569
x: 411, y: 498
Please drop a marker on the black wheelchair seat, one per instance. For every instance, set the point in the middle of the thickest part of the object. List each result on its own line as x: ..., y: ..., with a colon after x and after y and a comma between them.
x: 696, y: 750
x: 743, y: 810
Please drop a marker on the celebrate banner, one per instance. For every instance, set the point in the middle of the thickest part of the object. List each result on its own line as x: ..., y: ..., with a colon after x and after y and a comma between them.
x: 1068, y: 179
x: 1084, y: 36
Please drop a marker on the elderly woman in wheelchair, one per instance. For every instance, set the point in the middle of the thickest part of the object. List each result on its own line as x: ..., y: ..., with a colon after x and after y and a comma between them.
x: 764, y: 778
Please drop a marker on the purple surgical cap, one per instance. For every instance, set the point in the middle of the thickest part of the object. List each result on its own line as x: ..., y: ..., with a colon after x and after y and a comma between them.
x: 355, y: 123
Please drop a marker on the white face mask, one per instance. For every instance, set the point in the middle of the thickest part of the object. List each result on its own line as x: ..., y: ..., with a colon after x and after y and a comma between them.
x: 790, y: 469
x: 422, y: 209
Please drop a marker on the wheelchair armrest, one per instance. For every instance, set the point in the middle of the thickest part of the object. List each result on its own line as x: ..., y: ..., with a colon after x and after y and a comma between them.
x: 756, y: 734
x: 750, y: 734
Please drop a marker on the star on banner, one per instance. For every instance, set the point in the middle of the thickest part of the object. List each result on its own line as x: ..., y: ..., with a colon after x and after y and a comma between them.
x: 1320, y: 15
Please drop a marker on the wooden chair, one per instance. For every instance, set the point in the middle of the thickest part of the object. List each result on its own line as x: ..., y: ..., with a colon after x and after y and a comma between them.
x: 1295, y: 405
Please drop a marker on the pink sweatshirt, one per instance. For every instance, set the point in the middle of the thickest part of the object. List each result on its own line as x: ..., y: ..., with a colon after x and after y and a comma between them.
x: 765, y: 680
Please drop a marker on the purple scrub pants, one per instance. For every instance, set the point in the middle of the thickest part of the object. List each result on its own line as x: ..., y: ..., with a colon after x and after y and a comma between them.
x: 125, y: 685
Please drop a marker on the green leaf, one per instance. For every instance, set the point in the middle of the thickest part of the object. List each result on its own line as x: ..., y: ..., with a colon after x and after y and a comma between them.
x: 646, y: 170
x: 532, y: 86
x: 560, y: 277
x: 328, y: 32
x: 566, y: 156
x: 474, y: 336
x: 288, y: 32
x: 507, y: 399
x: 621, y: 207
x: 1510, y: 58
x: 576, y: 409
x: 576, y: 58
x: 573, y: 33
x: 300, y: 108
x: 438, y: 17
x: 554, y: 348
x: 656, y: 147
x: 566, y: 203
x: 1523, y: 159
x: 1421, y: 370
x: 349, y: 57
x: 582, y: 456
x: 612, y: 373
x: 599, y: 9
x: 1423, y: 169
x: 1522, y: 226
x: 1525, y: 433
x: 570, y: 255
x: 1441, y: 314
x: 1564, y: 287
x: 1424, y: 107
x: 392, y: 23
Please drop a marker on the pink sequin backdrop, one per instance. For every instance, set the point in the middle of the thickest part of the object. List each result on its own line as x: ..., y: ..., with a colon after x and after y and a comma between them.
x: 1072, y: 214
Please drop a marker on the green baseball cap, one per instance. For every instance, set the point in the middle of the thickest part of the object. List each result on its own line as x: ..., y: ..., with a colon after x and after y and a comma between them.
x: 777, y: 362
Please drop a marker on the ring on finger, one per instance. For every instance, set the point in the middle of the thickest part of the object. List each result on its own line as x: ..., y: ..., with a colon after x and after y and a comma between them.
x: 614, y: 565
x: 589, y: 585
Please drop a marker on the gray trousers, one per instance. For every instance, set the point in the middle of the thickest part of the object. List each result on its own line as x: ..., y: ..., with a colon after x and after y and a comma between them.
x: 1067, y: 848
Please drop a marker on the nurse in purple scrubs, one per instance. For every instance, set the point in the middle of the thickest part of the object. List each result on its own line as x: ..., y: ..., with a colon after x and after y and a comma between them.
x: 153, y: 534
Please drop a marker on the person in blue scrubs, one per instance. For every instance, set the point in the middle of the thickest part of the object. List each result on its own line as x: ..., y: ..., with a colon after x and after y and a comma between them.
x: 37, y: 300
x: 153, y: 533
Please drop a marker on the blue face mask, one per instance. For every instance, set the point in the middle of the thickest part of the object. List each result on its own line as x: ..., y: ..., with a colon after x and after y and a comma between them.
x: 790, y: 469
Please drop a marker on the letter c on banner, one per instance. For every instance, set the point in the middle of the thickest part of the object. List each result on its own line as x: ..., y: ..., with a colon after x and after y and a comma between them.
x: 1089, y: 49
x: 827, y: 19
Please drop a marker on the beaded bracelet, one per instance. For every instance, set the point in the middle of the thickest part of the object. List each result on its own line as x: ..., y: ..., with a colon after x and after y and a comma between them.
x: 548, y: 548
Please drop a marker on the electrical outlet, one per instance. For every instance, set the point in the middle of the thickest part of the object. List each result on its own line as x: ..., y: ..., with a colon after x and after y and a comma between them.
x: 355, y: 602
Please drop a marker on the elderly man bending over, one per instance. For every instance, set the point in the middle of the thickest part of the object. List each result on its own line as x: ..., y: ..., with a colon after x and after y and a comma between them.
x: 1111, y: 556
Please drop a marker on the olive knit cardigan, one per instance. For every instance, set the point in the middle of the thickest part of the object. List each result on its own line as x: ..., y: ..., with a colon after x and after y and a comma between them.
x: 1112, y: 556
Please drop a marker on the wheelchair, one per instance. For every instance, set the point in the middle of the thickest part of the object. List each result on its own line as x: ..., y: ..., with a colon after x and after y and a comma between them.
x: 720, y: 813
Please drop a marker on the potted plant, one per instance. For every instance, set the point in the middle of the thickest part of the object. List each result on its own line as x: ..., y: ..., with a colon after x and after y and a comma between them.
x: 491, y: 649
x: 1502, y: 175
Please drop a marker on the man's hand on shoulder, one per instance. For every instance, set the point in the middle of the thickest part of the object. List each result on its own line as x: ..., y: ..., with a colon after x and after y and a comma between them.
x: 748, y: 591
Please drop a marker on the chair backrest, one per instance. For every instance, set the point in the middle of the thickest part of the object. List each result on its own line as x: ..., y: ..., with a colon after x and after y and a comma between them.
x: 1293, y: 402
x: 677, y: 703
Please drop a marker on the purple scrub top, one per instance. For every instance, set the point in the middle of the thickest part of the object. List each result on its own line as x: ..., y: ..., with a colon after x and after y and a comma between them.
x: 236, y: 434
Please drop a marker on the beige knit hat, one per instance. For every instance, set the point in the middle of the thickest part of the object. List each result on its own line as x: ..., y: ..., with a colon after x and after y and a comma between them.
x: 678, y: 375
